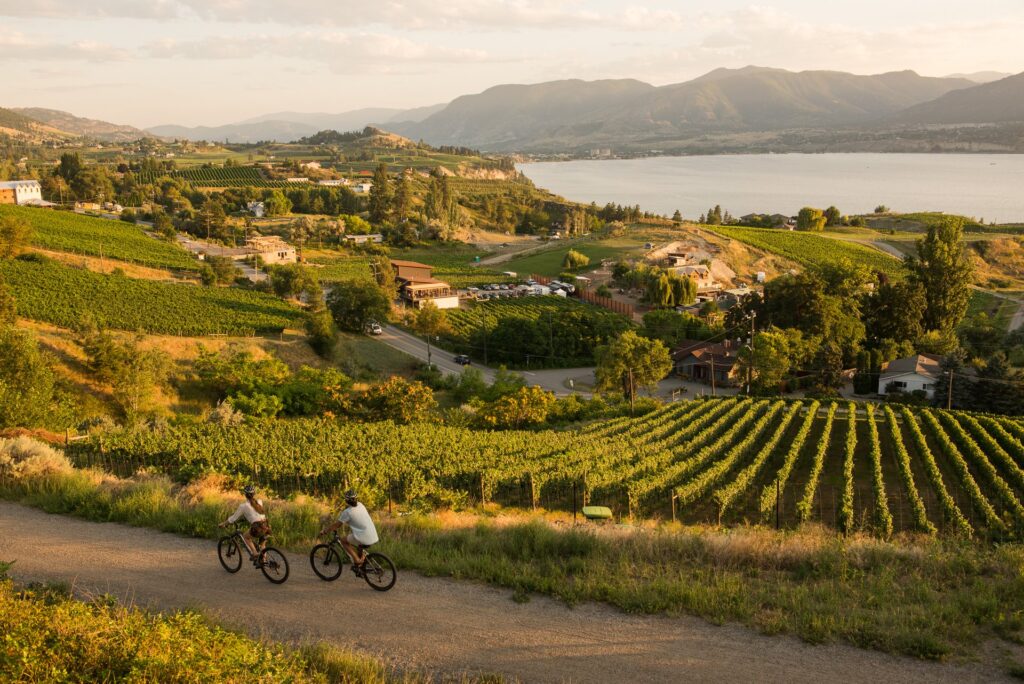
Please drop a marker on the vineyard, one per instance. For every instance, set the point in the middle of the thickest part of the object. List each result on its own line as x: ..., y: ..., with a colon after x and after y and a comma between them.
x: 64, y: 231
x: 48, y: 291
x: 219, y: 177
x: 545, y: 331
x: 732, y: 461
x: 809, y: 249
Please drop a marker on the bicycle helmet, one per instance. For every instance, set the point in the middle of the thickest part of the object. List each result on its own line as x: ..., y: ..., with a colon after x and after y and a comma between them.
x: 249, y: 490
x: 350, y: 497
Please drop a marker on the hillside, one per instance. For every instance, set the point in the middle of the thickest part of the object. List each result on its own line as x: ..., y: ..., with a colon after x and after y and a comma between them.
x: 92, y: 128
x: 567, y: 114
x: 997, y: 102
x: 17, y: 125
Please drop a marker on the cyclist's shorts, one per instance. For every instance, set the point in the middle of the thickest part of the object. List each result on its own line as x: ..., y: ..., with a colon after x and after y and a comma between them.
x: 259, y: 529
x: 351, y: 539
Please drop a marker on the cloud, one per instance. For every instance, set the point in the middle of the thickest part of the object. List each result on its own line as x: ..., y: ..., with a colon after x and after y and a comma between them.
x: 15, y: 46
x: 342, y: 52
x: 92, y: 9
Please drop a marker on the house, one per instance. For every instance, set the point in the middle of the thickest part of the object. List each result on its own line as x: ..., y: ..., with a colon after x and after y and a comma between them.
x: 310, y: 166
x: 271, y: 249
x: 700, y: 361
x: 918, y: 372
x: 375, y: 238
x: 362, y: 187
x: 332, y: 182
x: 257, y: 209
x: 416, y: 286
x: 700, y: 274
x: 297, y: 179
x: 21, y: 192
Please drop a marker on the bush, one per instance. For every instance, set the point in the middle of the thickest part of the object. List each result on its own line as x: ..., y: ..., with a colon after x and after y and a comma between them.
x: 23, y: 458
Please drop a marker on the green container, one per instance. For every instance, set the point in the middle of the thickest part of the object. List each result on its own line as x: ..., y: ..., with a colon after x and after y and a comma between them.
x: 597, y: 513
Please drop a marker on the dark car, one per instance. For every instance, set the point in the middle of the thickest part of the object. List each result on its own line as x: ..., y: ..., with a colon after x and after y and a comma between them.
x: 462, y: 360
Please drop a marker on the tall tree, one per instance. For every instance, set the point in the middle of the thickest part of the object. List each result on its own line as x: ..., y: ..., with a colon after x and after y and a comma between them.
x: 894, y: 312
x: 354, y: 303
x: 27, y: 384
x: 15, y: 234
x: 401, y: 203
x: 70, y: 166
x: 833, y: 217
x: 810, y: 218
x: 944, y: 271
x: 300, y: 230
x: 380, y: 195
x: 630, y: 362
x: 429, y: 321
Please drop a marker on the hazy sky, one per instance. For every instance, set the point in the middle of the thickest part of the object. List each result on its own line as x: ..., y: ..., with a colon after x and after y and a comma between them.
x: 148, y: 62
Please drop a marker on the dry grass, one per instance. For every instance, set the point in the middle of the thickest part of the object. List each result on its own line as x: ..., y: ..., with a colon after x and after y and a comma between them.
x: 110, y: 265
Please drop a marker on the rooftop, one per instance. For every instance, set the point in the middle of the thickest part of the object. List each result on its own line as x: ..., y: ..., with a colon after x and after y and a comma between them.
x: 923, y: 364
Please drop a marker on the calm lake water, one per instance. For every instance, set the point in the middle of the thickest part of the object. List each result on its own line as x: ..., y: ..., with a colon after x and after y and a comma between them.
x: 982, y: 186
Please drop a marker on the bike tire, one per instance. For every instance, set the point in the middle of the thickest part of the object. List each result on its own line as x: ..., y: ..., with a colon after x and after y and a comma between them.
x: 274, y: 565
x: 229, y: 554
x: 326, y: 562
x: 379, y: 572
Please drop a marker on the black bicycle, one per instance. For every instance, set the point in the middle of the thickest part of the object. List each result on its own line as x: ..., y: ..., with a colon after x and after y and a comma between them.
x: 328, y: 560
x: 231, y: 550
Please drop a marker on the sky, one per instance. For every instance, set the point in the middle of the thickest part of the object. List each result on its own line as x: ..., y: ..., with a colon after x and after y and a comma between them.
x: 211, y: 62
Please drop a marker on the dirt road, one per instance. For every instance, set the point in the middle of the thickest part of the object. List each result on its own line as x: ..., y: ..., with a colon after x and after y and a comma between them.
x: 442, y: 625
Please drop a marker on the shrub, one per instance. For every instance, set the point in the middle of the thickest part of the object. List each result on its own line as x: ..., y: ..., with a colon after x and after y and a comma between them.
x: 23, y: 458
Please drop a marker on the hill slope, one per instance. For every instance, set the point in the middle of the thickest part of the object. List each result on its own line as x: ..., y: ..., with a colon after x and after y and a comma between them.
x: 92, y: 128
x: 566, y: 114
x: 17, y: 125
x: 997, y: 102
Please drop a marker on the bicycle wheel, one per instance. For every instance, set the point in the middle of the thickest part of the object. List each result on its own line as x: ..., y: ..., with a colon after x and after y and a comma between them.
x: 379, y: 572
x: 274, y: 565
x: 326, y: 562
x: 230, y: 554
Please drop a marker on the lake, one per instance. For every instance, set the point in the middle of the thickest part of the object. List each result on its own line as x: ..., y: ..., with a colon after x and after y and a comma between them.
x: 989, y: 187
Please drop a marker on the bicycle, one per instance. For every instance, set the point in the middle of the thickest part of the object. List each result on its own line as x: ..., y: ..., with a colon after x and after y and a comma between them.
x: 269, y: 560
x: 329, y: 559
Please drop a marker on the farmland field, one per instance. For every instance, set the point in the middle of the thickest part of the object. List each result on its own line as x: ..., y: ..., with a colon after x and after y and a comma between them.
x: 549, y: 261
x: 810, y: 249
x: 50, y: 292
x: 63, y: 231
x: 526, y: 332
x: 220, y: 177
x: 730, y: 460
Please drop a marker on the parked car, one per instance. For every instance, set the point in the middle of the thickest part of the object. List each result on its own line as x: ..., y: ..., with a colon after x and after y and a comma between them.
x: 462, y: 360
x: 374, y: 328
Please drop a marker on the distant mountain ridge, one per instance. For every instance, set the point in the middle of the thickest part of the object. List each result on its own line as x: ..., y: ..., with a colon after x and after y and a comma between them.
x: 288, y: 126
x: 571, y: 114
x: 996, y: 102
x: 15, y: 124
x: 77, y: 125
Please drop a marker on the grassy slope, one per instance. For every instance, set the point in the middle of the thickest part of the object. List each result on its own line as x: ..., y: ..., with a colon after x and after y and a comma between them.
x: 50, y: 292
x: 549, y: 261
x: 928, y: 599
x: 68, y: 232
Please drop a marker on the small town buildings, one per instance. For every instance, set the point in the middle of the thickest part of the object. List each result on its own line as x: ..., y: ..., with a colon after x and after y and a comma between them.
x: 416, y: 286
x: 918, y: 372
x: 375, y: 238
x: 257, y: 209
x: 700, y: 274
x: 701, y: 361
x: 271, y: 249
x: 21, y: 192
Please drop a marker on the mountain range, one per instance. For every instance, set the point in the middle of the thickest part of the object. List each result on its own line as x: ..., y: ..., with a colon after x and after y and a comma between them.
x: 748, y: 109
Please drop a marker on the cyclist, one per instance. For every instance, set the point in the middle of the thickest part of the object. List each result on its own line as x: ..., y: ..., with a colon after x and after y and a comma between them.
x: 363, y: 533
x: 252, y: 510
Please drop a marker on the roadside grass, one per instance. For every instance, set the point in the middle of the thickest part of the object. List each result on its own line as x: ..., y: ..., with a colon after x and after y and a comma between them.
x: 928, y: 598
x: 361, y: 356
x: 49, y: 635
x: 549, y: 261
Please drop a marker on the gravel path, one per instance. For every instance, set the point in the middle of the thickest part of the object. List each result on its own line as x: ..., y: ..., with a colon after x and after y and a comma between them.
x: 438, y: 624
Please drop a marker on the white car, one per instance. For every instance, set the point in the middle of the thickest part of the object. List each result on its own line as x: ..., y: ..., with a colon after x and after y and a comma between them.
x: 375, y: 328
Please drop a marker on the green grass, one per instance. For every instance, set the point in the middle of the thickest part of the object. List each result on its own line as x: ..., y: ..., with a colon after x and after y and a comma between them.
x: 53, y: 293
x: 927, y: 598
x: 50, y: 636
x: 1000, y: 310
x: 454, y: 264
x: 64, y: 231
x: 331, y: 268
x: 361, y: 355
x: 549, y: 261
x: 811, y: 249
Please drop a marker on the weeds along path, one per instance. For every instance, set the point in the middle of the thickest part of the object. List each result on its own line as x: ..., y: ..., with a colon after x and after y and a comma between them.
x: 436, y: 624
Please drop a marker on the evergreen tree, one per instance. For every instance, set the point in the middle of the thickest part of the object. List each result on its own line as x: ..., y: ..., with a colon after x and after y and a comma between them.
x: 401, y: 203
x: 945, y: 274
x: 677, y: 217
x: 380, y: 195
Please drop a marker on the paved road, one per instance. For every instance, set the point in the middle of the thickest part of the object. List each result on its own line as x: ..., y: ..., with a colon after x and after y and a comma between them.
x: 437, y: 624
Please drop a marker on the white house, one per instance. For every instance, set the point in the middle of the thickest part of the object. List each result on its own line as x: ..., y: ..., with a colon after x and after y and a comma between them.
x: 362, y: 187
x: 918, y: 372
x: 297, y: 179
x: 257, y: 209
x: 21, y: 192
x: 375, y: 238
x: 332, y: 182
x: 271, y: 249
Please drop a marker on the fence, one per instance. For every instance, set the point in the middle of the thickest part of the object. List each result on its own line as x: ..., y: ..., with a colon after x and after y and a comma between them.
x: 592, y: 298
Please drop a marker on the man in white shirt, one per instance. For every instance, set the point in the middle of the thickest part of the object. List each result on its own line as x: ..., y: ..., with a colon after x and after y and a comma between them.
x: 252, y: 510
x: 362, y: 532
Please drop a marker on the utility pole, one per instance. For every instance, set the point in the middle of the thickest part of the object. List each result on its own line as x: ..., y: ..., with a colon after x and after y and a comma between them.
x: 750, y: 365
x: 713, y: 393
x: 631, y: 391
x: 949, y: 392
